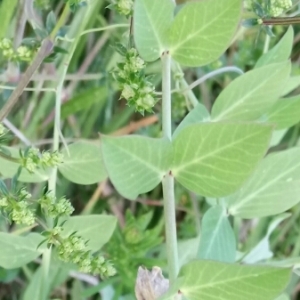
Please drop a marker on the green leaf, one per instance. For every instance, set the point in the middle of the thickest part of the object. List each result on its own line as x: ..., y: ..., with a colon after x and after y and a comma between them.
x: 285, y: 112
x: 262, y: 250
x: 151, y: 22
x: 208, y: 280
x: 217, y: 237
x: 196, y: 115
x: 214, y: 159
x: 283, y: 297
x: 290, y: 85
x: 83, y: 164
x: 281, y: 52
x: 249, y: 96
x: 7, y: 10
x: 17, y: 251
x: 8, y: 169
x: 273, y: 188
x: 97, y: 229
x: 84, y: 101
x: 136, y: 164
x: 203, y: 30
x: 187, y: 250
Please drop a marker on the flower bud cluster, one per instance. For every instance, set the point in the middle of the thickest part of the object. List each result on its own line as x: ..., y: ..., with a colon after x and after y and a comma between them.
x: 278, y: 7
x: 55, y: 208
x: 74, y: 249
x: 136, y: 89
x: 23, y: 53
x: 32, y: 159
x: 123, y: 7
x: 17, y: 208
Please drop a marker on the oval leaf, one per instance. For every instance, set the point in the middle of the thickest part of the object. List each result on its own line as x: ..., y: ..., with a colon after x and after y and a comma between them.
x: 273, y: 188
x: 83, y: 164
x: 17, y: 251
x: 208, y: 280
x: 136, y: 164
x: 217, y: 237
x: 249, y: 96
x: 151, y: 21
x: 97, y: 229
x: 215, y: 159
x: 285, y: 112
x: 203, y: 30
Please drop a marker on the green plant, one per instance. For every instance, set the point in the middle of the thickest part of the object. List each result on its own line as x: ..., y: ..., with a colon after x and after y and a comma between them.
x: 219, y: 155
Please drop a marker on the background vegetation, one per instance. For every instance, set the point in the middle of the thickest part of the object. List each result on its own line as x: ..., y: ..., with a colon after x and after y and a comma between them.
x: 92, y: 104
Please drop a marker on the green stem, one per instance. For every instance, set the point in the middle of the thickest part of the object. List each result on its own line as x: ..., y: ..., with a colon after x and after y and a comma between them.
x: 61, y: 22
x: 45, y: 50
x: 281, y: 21
x: 46, y: 262
x: 168, y: 180
x: 109, y: 27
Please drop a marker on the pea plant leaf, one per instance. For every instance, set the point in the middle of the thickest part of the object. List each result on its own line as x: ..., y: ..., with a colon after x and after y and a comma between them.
x: 217, y: 240
x: 82, y: 163
x: 208, y: 280
x: 281, y: 52
x: 214, y: 159
x: 285, y: 112
x: 151, y: 22
x: 17, y: 251
x: 209, y: 22
x: 97, y: 229
x: 197, y: 115
x: 136, y: 164
x: 291, y: 84
x: 273, y: 188
x: 249, y: 96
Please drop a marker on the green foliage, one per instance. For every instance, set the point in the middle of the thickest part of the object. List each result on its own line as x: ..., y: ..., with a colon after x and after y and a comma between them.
x: 130, y: 246
x: 276, y: 178
x: 248, y: 97
x: 151, y: 28
x: 82, y: 163
x: 221, y: 246
x: 207, y: 279
x: 280, y: 53
x: 17, y: 251
x: 212, y: 23
x: 208, y: 157
x: 135, y: 164
x: 201, y: 142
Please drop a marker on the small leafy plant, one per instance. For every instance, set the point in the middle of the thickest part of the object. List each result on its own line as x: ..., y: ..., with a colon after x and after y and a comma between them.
x: 225, y: 156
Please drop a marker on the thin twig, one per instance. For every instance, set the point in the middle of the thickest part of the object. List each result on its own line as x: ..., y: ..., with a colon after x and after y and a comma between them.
x: 45, y: 50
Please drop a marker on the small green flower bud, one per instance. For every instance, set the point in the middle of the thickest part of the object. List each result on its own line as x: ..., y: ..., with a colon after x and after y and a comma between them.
x: 128, y: 92
x: 146, y: 102
x: 111, y: 271
x: 24, y: 194
x: 5, y: 44
x: 125, y: 7
x: 3, y: 202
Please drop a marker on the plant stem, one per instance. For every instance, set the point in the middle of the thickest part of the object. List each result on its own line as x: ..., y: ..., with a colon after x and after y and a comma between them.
x: 45, y: 50
x: 281, y: 21
x: 109, y: 27
x: 166, y: 96
x: 168, y: 180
